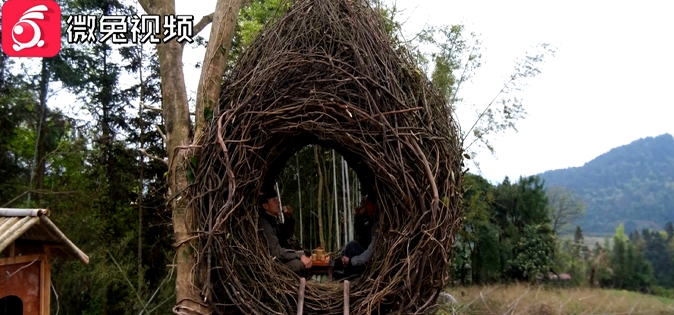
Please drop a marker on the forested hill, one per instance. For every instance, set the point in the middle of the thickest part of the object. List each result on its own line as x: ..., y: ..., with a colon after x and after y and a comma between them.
x: 633, y: 184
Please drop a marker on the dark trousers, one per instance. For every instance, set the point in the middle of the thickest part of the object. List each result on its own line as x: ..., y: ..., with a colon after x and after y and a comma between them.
x: 296, y: 265
x: 351, y: 249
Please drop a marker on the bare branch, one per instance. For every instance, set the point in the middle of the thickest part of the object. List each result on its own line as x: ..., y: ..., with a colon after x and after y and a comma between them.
x: 150, y: 107
x: 153, y: 157
x: 207, y: 19
x: 36, y: 191
x: 16, y: 198
x: 503, y: 90
x: 159, y: 109
x: 161, y: 133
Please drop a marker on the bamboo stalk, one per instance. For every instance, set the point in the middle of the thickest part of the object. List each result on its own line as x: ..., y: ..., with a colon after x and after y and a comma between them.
x: 348, y: 198
x: 299, y: 192
x: 346, y: 233
x: 334, y: 189
x: 280, y: 204
x: 319, y: 207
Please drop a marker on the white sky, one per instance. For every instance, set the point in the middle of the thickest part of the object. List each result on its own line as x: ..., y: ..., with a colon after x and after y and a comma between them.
x: 610, y: 82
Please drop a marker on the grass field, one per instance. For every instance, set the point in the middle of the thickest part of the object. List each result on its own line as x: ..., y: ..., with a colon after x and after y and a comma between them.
x: 522, y: 299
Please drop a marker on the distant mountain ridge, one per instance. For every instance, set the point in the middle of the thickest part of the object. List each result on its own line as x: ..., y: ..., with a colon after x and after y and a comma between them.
x: 631, y: 184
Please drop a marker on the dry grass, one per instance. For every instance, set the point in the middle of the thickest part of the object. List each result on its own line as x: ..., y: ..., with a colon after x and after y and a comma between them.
x: 522, y: 299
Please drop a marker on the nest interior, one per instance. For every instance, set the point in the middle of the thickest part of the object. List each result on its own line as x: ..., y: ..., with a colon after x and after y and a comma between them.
x: 327, y: 73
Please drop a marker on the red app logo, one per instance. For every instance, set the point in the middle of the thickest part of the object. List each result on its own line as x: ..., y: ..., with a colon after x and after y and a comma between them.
x: 31, y: 28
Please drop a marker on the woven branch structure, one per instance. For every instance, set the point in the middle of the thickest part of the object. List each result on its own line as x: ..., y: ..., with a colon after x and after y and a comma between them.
x: 327, y: 73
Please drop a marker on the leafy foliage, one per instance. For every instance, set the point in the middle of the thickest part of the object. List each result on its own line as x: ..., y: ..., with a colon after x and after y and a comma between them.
x: 92, y: 180
x: 535, y: 251
x: 506, y: 234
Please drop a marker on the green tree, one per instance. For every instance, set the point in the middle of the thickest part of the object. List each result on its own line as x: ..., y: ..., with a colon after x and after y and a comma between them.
x: 534, y: 252
x: 669, y: 229
x: 564, y: 208
x: 91, y: 176
x: 17, y: 99
x: 656, y: 251
x: 631, y: 270
x: 578, y: 235
x: 252, y: 19
x: 477, y: 254
x: 520, y: 210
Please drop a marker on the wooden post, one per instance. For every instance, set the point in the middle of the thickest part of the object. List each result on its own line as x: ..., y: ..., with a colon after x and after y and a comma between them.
x: 346, y: 297
x: 300, y: 302
x: 45, y: 274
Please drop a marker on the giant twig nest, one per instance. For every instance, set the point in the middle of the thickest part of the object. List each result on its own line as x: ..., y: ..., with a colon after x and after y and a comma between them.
x: 327, y: 73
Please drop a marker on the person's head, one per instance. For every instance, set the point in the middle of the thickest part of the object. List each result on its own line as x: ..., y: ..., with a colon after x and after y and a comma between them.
x: 367, y: 207
x: 269, y: 201
x: 370, y: 207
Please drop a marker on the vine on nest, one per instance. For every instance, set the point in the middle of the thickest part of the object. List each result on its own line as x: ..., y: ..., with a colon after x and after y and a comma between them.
x: 327, y: 74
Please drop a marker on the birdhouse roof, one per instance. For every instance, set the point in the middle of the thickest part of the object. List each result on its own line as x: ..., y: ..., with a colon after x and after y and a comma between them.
x: 34, y: 225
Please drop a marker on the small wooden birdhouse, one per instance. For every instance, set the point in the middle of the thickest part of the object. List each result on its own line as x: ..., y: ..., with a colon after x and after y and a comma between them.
x: 28, y: 241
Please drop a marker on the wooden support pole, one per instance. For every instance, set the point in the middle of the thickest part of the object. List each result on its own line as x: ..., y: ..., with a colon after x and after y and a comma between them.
x: 10, y: 212
x: 63, y: 239
x: 300, y: 302
x: 346, y: 297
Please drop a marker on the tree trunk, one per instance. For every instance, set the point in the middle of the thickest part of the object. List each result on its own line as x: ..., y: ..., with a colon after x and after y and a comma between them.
x: 320, y: 197
x: 175, y: 110
x: 37, y: 179
x: 141, y: 157
x: 106, y: 139
x: 176, y: 115
x: 219, y: 43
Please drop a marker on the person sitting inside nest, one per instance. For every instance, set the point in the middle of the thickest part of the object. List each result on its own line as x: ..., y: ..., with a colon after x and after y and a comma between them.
x: 357, y: 254
x: 289, y: 229
x: 273, y: 231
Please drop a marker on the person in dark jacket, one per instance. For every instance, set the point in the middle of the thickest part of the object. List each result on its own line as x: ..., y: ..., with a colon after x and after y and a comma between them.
x: 273, y: 232
x: 357, y: 254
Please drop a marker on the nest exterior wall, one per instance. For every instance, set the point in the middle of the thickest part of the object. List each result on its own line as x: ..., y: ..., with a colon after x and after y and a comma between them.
x: 327, y: 74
